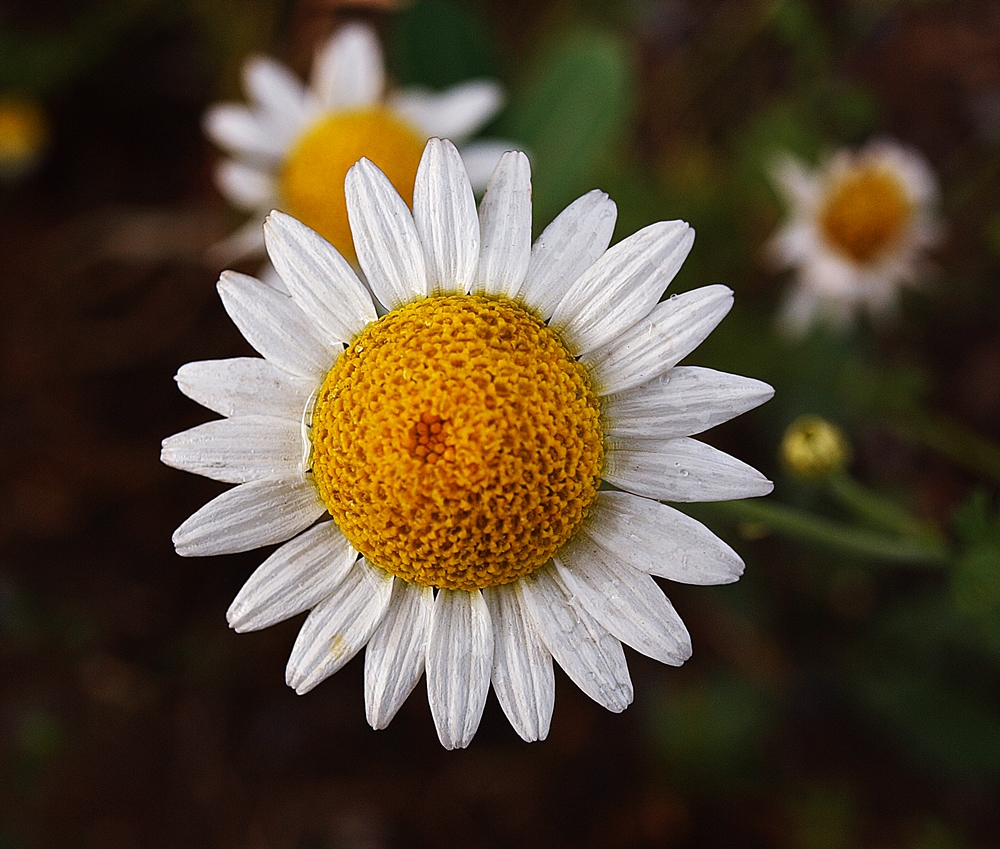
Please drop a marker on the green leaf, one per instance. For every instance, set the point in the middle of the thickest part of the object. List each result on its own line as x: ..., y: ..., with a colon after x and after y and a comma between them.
x: 710, y: 730
x: 951, y: 730
x: 42, y: 63
x: 923, y: 672
x: 975, y: 582
x: 572, y: 109
x: 439, y: 43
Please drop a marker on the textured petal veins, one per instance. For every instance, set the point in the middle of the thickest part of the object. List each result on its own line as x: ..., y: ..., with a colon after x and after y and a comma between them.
x: 457, y: 443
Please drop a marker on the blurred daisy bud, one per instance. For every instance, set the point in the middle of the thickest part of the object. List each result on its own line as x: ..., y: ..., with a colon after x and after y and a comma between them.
x: 858, y: 228
x: 812, y: 448
x: 23, y: 136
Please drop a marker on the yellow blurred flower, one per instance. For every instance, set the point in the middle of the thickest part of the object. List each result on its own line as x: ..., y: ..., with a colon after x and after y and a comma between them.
x: 292, y: 146
x: 857, y: 229
x: 23, y: 135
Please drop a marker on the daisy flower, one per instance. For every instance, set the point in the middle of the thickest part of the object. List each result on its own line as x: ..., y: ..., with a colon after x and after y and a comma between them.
x: 292, y: 146
x: 858, y: 228
x: 435, y: 474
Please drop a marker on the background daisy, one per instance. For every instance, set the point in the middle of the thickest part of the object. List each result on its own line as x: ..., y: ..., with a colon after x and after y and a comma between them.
x: 858, y: 228
x: 292, y: 145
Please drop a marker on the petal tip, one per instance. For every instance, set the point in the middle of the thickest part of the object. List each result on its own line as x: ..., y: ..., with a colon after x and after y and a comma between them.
x: 182, y: 545
x: 453, y: 745
x: 235, y: 617
x: 377, y: 722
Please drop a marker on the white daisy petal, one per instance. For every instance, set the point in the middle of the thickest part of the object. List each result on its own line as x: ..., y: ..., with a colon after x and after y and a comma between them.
x: 832, y: 276
x: 624, y: 600
x: 239, y: 449
x: 799, y: 310
x: 244, y: 186
x: 275, y: 326
x: 682, y: 469
x: 277, y: 89
x: 505, y: 221
x: 246, y: 241
x: 796, y: 182
x: 459, y: 660
x: 572, y: 243
x: 388, y: 246
x: 348, y: 73
x: 339, y: 626
x: 622, y: 286
x: 321, y: 282
x: 248, y: 516
x: 660, y: 540
x: 481, y: 158
x: 444, y: 213
x: 791, y: 245
x: 455, y: 113
x: 245, y: 386
x: 394, y: 659
x: 587, y: 652
x: 239, y: 130
x: 299, y: 575
x: 683, y: 401
x: 523, y: 678
x: 668, y: 334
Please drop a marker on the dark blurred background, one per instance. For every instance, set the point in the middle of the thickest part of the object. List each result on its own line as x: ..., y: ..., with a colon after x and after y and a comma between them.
x: 833, y: 701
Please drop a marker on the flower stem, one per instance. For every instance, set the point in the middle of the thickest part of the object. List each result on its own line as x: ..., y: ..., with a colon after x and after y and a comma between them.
x: 952, y: 440
x: 792, y: 522
x: 876, y: 509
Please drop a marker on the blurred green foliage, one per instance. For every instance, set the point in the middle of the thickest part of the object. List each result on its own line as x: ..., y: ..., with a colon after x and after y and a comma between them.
x: 440, y: 43
x: 572, y: 110
x: 710, y: 731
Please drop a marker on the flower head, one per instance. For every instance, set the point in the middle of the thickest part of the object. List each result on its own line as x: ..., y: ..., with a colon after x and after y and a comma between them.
x: 435, y: 474
x: 858, y: 228
x: 292, y: 146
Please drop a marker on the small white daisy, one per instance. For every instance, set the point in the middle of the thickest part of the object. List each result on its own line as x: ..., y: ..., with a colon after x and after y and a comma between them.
x: 436, y: 471
x: 292, y: 146
x: 858, y: 228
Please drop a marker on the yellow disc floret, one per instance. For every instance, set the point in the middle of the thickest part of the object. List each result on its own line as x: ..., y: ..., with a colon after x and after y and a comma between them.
x: 312, y: 179
x: 865, y: 213
x: 456, y: 442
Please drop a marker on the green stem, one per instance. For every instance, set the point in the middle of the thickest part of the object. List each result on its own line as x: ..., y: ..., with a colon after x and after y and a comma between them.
x: 952, y: 440
x: 876, y: 509
x: 792, y: 522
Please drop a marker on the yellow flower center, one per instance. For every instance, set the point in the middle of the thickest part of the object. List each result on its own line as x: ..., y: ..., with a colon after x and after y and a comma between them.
x: 456, y: 442
x: 865, y: 213
x: 312, y: 180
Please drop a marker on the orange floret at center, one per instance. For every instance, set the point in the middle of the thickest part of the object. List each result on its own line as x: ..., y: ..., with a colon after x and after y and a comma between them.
x: 456, y: 442
x: 866, y: 213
